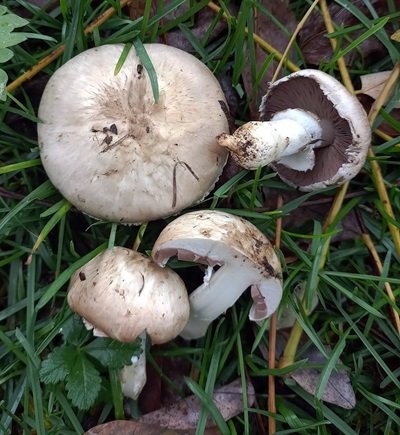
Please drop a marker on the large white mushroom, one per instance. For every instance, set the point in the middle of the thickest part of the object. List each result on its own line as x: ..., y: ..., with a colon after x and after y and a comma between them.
x: 117, y: 154
x: 244, y: 256
x: 312, y: 130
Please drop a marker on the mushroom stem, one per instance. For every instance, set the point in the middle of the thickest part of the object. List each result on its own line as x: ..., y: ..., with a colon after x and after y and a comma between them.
x: 133, y: 377
x: 218, y: 293
x: 289, y: 138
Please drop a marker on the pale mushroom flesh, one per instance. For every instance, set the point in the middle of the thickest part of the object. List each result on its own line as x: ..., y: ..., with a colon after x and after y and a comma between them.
x: 245, y: 258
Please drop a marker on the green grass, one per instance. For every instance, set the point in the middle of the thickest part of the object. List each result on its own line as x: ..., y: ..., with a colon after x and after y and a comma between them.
x: 353, y: 315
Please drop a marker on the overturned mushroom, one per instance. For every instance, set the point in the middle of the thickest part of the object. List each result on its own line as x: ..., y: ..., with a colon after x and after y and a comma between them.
x: 117, y: 154
x: 245, y: 258
x: 313, y: 131
x: 122, y: 293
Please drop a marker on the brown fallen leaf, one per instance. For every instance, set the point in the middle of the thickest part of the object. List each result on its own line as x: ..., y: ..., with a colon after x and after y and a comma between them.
x: 157, y: 393
x: 338, y: 390
x: 267, y: 30
x: 136, y: 9
x: 396, y: 36
x: 185, y: 413
x: 202, y: 22
x: 385, y: 127
x: 373, y: 84
x: 123, y: 427
x: 316, y: 208
x: 316, y: 47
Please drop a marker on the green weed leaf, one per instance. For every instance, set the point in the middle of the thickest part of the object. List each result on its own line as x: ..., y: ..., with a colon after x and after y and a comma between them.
x: 5, y: 55
x: 112, y: 353
x: 8, y: 22
x: 73, y: 331
x: 83, y: 382
x: 55, y: 367
x: 3, y: 83
x: 11, y: 21
x: 10, y: 39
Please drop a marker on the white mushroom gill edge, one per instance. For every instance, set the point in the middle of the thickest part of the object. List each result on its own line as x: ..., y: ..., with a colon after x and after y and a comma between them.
x: 95, y: 331
x: 221, y: 288
x: 288, y: 138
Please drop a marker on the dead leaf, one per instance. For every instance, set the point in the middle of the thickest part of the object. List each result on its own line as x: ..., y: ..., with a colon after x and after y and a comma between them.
x: 385, y: 127
x: 373, y: 84
x: 267, y: 30
x: 202, y: 22
x: 316, y: 208
x: 185, y: 413
x: 157, y: 393
x: 150, y: 398
x: 396, y: 36
x: 316, y: 47
x: 136, y: 9
x: 338, y: 390
x: 199, y: 26
x: 124, y: 427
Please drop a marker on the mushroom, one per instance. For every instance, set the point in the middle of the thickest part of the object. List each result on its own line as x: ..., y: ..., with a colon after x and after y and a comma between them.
x: 117, y: 154
x: 122, y: 293
x: 133, y: 377
x: 311, y: 129
x: 243, y: 254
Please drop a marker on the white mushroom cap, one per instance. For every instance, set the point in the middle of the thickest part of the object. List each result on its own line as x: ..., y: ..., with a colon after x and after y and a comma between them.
x: 245, y: 256
x: 123, y: 293
x: 341, y: 116
x: 118, y: 155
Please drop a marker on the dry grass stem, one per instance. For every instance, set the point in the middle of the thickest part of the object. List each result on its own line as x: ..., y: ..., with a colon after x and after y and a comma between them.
x: 379, y: 267
x: 340, y: 62
x: 258, y: 40
x: 376, y: 170
x: 383, y: 135
x: 385, y: 94
x: 60, y: 50
x: 272, y: 337
x: 293, y: 38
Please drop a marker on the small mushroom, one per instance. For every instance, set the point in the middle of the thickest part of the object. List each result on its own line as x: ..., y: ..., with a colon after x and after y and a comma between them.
x: 311, y: 129
x: 122, y: 293
x: 117, y: 154
x: 244, y: 256
x: 133, y: 377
